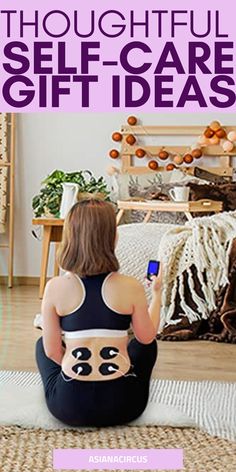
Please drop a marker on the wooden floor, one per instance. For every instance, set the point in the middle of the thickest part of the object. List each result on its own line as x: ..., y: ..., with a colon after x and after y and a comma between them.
x: 191, y: 360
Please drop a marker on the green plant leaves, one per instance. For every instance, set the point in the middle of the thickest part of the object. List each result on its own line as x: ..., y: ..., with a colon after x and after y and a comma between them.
x: 55, y: 178
x: 49, y: 198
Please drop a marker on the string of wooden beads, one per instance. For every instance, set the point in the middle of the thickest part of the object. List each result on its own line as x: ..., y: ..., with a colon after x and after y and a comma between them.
x: 214, y: 134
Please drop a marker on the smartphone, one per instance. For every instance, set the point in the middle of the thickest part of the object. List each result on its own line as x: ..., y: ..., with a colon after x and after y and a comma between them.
x: 153, y: 269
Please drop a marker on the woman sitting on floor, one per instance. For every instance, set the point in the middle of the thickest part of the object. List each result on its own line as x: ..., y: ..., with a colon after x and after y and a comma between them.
x: 99, y: 378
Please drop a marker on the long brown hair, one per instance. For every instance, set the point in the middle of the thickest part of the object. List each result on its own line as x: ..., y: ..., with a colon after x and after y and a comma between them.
x: 88, y: 242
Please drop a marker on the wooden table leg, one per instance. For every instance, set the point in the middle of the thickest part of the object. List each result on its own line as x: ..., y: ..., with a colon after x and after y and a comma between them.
x: 56, y: 266
x: 147, y: 216
x: 11, y: 248
x: 119, y: 216
x: 47, y: 230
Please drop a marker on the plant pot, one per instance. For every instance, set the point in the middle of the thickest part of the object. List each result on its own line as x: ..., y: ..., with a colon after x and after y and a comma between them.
x: 47, y: 213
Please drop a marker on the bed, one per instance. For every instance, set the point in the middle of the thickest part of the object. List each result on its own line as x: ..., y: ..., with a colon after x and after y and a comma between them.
x: 140, y: 242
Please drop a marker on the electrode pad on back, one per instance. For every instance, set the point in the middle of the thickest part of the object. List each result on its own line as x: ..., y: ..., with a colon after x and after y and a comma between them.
x: 83, y: 368
x: 81, y: 353
x: 109, y: 352
x: 108, y: 368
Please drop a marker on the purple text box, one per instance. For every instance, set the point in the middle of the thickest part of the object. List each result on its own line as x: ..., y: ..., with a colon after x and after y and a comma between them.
x: 119, y: 459
x: 107, y: 28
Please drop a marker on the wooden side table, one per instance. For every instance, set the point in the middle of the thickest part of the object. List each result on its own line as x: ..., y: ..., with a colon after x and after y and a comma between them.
x: 52, y: 233
x: 200, y: 206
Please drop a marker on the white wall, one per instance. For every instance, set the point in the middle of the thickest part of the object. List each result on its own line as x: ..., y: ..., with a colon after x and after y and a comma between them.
x: 66, y: 141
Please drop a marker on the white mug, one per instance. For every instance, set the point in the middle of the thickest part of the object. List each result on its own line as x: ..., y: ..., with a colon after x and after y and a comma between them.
x: 180, y: 194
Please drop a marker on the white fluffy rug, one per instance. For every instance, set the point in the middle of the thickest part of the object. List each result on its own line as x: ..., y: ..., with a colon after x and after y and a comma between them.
x: 22, y: 403
x: 210, y: 406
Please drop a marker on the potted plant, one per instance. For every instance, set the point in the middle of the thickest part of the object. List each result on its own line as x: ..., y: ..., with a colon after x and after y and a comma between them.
x: 47, y: 202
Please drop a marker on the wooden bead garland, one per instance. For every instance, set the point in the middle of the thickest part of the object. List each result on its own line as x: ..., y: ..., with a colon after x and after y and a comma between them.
x: 214, y: 134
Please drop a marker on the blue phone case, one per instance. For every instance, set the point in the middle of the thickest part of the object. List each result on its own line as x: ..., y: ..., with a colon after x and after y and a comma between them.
x: 153, y: 268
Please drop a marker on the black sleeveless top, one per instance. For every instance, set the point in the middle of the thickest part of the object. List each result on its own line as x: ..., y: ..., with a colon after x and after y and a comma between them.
x: 93, y: 312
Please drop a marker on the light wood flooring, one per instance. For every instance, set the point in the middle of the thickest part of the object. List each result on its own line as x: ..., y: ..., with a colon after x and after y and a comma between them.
x: 191, y: 360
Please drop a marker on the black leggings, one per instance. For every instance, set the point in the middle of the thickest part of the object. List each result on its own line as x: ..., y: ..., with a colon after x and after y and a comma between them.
x: 98, y: 403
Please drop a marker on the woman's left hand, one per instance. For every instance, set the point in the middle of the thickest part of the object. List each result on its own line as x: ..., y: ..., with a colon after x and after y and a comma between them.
x: 156, y: 281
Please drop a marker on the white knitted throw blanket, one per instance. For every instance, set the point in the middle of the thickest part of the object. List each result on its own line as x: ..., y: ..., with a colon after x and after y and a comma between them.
x: 204, y: 242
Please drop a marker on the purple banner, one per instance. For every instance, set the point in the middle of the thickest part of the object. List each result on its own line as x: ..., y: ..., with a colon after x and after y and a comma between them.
x: 118, y: 459
x: 157, y: 56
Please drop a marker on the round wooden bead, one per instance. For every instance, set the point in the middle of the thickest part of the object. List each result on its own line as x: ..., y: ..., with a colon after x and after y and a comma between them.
x: 170, y: 167
x: 214, y: 140
x: 196, y: 153
x: 163, y: 155
x: 131, y: 140
x: 188, y: 158
x: 215, y: 125
x: 117, y: 136
x: 228, y: 146
x: 232, y: 136
x: 221, y: 133
x: 153, y: 165
x: 140, y: 153
x: 209, y: 132
x: 132, y: 120
x: 178, y: 159
x: 114, y: 154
